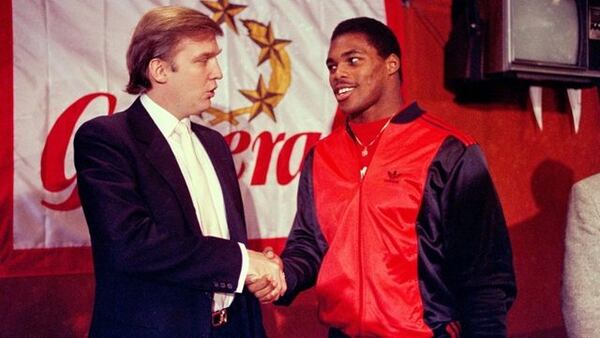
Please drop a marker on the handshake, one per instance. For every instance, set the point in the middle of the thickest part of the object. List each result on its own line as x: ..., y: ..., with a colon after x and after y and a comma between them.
x: 265, y: 278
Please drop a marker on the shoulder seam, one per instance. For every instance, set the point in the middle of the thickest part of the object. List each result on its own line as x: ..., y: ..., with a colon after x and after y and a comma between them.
x: 438, y: 123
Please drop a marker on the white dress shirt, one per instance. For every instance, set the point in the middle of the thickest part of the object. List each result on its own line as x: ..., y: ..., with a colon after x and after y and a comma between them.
x: 167, y: 123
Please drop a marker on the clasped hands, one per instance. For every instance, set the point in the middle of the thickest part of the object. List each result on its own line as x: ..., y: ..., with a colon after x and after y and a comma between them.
x: 265, y: 278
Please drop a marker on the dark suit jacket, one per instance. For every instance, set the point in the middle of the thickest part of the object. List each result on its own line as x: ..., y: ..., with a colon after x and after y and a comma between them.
x: 155, y: 271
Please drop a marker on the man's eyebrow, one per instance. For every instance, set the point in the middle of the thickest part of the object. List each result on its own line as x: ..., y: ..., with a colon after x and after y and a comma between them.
x: 346, y: 54
x: 352, y: 52
x: 207, y: 55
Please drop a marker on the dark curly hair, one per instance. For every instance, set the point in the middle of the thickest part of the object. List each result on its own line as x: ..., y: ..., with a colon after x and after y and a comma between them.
x: 377, y: 34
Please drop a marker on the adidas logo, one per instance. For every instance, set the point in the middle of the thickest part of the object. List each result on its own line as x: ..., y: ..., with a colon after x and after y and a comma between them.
x: 393, y: 177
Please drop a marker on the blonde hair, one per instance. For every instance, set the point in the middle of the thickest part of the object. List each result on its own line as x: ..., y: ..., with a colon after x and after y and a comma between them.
x: 157, y: 34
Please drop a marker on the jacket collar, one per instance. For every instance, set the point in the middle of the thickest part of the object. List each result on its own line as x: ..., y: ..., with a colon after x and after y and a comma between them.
x: 410, y: 113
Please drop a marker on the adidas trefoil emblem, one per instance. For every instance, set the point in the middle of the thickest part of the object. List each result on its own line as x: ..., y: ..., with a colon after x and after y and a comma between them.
x: 393, y: 177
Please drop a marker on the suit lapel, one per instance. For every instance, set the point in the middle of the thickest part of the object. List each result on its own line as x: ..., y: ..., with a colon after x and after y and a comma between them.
x: 159, y: 154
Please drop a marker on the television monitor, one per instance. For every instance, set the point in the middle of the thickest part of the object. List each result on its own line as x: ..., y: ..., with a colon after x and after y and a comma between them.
x: 542, y: 40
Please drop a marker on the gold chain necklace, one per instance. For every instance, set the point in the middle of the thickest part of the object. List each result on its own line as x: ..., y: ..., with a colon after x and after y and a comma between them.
x: 365, y: 148
x: 365, y: 151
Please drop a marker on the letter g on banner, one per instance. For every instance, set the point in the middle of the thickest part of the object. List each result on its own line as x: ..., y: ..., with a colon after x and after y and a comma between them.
x: 55, y: 151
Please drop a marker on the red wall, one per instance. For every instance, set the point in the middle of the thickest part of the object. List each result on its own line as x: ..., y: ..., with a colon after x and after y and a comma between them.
x: 533, y: 171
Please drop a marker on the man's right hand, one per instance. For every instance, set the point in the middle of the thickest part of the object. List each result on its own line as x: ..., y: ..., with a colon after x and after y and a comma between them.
x: 265, y: 276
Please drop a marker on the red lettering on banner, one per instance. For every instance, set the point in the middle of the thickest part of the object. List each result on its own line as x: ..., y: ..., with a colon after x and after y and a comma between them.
x: 264, y: 145
x: 265, y: 151
x: 284, y: 176
x: 55, y: 151
x: 241, y: 146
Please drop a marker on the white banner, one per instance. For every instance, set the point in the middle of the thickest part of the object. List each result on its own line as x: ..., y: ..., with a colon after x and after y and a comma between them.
x: 272, y: 104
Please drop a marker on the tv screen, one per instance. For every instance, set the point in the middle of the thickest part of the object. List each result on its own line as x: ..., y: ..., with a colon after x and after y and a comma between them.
x: 542, y: 40
x: 551, y: 41
x: 544, y: 31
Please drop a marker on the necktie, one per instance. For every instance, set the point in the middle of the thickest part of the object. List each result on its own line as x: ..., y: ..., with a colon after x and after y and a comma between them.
x: 207, y: 197
x: 197, y: 166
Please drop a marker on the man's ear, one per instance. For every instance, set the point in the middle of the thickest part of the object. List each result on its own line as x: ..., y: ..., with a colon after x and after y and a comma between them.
x: 392, y: 64
x: 157, y: 70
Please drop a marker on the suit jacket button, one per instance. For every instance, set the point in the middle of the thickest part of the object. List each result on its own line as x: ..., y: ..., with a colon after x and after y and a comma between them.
x: 216, y: 284
x: 229, y: 286
x: 222, y: 285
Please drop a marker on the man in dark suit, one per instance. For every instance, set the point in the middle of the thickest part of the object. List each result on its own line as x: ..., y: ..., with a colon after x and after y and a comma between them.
x: 161, y: 197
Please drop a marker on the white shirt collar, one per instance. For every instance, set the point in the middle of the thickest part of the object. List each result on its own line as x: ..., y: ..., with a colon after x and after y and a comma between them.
x: 165, y: 121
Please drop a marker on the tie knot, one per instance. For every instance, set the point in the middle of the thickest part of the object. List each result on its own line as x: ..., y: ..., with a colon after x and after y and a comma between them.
x: 182, y: 129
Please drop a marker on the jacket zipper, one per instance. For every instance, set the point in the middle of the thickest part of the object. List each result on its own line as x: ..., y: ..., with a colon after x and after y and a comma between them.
x: 361, y: 282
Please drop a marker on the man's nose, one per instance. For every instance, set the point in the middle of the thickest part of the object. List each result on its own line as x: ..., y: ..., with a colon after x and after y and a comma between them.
x: 338, y: 73
x: 217, y: 74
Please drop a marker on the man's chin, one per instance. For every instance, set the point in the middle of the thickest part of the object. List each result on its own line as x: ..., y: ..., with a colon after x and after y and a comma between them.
x: 347, y: 110
x: 203, y: 108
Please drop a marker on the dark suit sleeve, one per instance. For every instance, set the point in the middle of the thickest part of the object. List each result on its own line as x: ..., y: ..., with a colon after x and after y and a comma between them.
x: 125, y: 236
x: 305, y: 246
x: 476, y: 246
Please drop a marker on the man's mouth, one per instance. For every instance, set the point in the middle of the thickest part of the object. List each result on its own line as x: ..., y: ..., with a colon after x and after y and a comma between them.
x: 342, y: 93
x: 211, y: 93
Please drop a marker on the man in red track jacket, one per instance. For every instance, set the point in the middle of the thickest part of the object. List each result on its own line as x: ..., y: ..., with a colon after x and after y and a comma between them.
x: 398, y: 222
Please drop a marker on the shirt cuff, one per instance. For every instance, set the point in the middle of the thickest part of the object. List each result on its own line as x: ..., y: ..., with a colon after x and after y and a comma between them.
x: 244, y: 270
